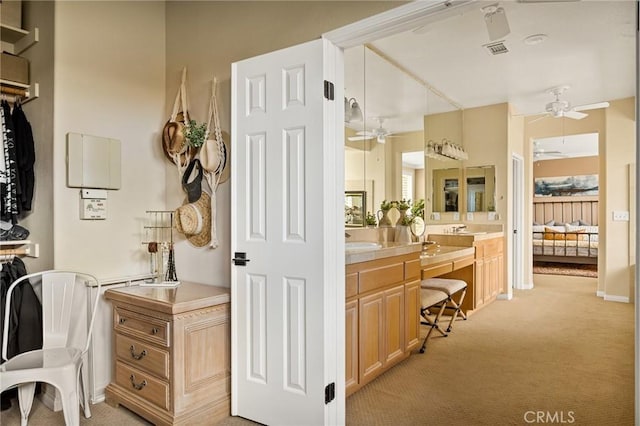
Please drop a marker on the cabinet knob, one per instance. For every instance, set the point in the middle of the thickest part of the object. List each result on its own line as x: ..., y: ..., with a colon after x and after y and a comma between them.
x: 137, y: 386
x: 122, y: 320
x: 154, y: 331
x: 138, y: 357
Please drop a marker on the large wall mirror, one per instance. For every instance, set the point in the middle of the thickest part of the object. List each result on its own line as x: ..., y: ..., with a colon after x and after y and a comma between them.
x: 480, y: 184
x: 386, y: 110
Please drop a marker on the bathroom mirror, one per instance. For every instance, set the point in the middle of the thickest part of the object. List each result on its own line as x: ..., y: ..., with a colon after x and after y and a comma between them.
x: 417, y: 226
x: 446, y: 190
x: 480, y: 184
x: 354, y: 208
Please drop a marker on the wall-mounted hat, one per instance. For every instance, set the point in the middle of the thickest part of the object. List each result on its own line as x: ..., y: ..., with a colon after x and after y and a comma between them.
x: 174, y: 141
x: 194, y: 220
x: 214, y: 157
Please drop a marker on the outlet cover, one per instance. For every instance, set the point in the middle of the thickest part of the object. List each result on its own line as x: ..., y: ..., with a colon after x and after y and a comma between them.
x: 620, y: 216
x: 469, y: 216
x: 456, y: 216
x: 492, y: 216
x: 435, y: 216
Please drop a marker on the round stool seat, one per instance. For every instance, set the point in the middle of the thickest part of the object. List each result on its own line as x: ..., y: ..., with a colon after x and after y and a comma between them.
x: 430, y: 297
x: 447, y: 285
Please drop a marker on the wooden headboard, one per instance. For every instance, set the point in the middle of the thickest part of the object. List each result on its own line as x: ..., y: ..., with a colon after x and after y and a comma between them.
x: 565, y: 209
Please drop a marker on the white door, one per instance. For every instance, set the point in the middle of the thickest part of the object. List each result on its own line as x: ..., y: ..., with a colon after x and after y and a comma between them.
x: 288, y: 299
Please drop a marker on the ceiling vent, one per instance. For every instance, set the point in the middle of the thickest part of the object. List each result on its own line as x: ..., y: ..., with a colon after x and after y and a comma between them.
x: 496, y: 48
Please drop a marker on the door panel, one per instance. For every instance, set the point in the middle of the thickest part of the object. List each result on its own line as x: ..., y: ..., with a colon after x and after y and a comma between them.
x: 282, y: 336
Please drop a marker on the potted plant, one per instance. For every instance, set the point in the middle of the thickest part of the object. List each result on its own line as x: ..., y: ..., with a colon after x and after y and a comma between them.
x: 195, y: 133
x: 370, y: 219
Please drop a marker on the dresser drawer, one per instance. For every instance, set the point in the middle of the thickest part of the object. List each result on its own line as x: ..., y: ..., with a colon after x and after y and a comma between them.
x: 150, y: 329
x: 143, y: 385
x: 143, y: 355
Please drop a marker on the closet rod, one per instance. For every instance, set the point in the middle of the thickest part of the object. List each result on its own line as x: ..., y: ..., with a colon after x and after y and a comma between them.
x: 14, y: 91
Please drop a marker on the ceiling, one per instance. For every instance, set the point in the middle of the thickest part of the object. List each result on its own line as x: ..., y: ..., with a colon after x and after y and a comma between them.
x: 590, y: 48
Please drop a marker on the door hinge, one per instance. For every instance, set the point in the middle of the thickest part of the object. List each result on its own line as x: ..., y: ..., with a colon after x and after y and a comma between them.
x: 329, y: 393
x: 240, y: 259
x: 329, y: 90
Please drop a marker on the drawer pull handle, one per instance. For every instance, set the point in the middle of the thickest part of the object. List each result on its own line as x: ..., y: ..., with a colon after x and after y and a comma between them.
x: 139, y: 356
x: 122, y: 320
x: 154, y: 331
x: 137, y: 386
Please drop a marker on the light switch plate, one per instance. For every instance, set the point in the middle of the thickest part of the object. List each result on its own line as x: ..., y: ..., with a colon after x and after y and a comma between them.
x: 456, y: 216
x: 492, y: 216
x: 469, y: 216
x: 435, y: 216
x: 620, y: 216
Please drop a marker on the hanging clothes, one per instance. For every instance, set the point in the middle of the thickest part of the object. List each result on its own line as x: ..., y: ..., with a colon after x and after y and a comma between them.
x: 25, y: 157
x: 8, y: 180
x: 25, y: 319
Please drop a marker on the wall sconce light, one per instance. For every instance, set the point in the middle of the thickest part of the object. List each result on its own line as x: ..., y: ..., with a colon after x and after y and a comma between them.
x: 352, y: 111
x: 445, y: 150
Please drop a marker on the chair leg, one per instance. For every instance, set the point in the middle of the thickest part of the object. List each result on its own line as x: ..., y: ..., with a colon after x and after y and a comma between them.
x: 83, y: 388
x: 70, y: 407
x: 26, y: 392
x: 456, y: 306
x: 432, y: 324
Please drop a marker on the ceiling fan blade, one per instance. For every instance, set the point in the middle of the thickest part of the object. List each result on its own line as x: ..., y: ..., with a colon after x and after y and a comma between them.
x: 366, y: 133
x: 575, y: 115
x: 591, y: 106
x: 359, y: 138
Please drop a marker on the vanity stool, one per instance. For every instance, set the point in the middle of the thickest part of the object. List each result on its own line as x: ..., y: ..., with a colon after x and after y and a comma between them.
x: 451, y: 287
x: 432, y: 299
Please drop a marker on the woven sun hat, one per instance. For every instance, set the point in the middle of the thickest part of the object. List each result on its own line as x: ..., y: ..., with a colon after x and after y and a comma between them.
x: 194, y: 220
x: 174, y: 141
x: 211, y: 156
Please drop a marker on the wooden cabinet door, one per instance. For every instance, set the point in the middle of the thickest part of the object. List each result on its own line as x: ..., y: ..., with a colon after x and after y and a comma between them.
x: 478, y: 283
x: 371, y: 332
x: 393, y: 324
x: 412, y: 315
x: 351, y: 343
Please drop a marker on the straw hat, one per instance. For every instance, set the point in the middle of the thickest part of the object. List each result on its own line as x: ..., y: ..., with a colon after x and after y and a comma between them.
x: 194, y: 220
x: 173, y: 139
x: 214, y: 157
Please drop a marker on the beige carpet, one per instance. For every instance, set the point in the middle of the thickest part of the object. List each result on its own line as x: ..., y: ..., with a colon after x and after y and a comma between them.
x: 556, y: 351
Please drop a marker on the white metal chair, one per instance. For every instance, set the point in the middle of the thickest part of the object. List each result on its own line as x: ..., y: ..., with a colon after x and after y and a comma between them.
x: 66, y: 340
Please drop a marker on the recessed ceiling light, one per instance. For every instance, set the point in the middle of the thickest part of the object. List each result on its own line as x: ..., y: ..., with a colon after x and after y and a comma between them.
x: 534, y: 39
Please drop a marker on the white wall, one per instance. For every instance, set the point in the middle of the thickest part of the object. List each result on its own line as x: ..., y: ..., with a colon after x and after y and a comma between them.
x: 109, y: 80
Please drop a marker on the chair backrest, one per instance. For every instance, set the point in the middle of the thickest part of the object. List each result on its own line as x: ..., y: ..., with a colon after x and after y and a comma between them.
x: 65, y: 308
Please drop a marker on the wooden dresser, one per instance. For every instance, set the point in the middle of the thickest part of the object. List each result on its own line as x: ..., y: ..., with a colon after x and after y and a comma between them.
x: 171, y: 353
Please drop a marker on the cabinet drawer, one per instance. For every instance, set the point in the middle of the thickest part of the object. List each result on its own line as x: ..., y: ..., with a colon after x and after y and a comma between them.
x: 351, y: 284
x: 437, y: 270
x: 412, y: 269
x: 143, y: 385
x: 371, y: 279
x: 151, y: 329
x: 143, y: 355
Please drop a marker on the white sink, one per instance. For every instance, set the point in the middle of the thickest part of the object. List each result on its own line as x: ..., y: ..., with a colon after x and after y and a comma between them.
x: 360, y: 245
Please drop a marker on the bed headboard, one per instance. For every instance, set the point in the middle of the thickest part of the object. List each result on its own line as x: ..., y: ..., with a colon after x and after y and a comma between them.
x: 565, y: 209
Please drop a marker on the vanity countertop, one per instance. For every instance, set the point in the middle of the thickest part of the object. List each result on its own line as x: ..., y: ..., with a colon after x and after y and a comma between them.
x: 463, y: 238
x: 386, y: 249
x: 446, y: 253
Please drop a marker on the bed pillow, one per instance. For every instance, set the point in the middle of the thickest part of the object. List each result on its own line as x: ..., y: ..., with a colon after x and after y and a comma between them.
x: 537, y: 231
x: 553, y: 234
x: 550, y: 223
x: 570, y: 229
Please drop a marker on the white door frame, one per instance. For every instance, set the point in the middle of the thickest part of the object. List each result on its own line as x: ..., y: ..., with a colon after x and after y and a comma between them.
x: 517, y: 224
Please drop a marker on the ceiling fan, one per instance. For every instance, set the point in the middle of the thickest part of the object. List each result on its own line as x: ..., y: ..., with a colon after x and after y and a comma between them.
x: 561, y: 108
x: 379, y: 133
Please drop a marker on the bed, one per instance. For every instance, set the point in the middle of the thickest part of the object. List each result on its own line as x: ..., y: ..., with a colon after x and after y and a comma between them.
x: 565, y: 230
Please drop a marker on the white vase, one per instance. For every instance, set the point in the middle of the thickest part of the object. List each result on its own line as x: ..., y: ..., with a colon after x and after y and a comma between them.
x: 403, y: 234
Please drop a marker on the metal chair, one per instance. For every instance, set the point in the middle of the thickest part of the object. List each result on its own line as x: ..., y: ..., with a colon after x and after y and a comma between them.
x: 65, y: 344
x: 455, y: 290
x: 432, y: 299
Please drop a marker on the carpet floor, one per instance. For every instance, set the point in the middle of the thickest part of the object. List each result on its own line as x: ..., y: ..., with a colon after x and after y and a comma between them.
x: 553, y: 354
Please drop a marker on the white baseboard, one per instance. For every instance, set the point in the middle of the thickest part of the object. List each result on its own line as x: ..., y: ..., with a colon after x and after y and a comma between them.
x: 612, y: 298
x: 505, y: 296
x: 526, y: 286
x: 600, y: 293
x: 49, y: 397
